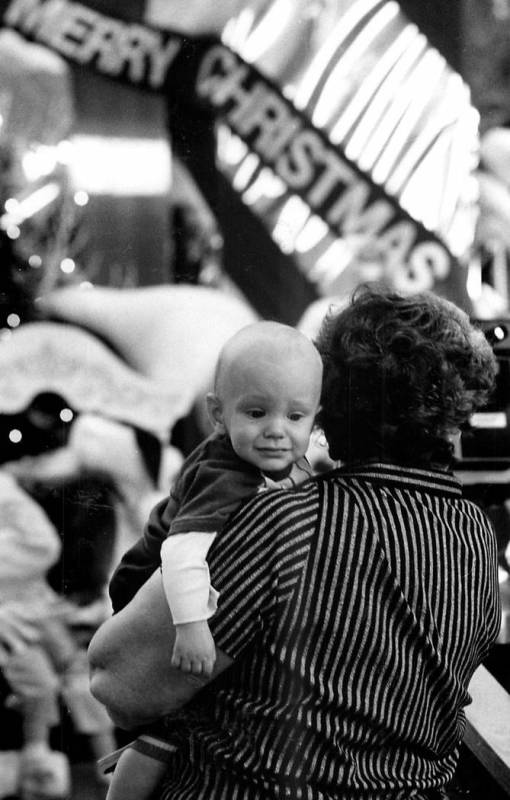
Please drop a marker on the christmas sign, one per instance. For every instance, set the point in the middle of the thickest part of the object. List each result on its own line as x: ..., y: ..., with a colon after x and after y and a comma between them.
x: 347, y: 160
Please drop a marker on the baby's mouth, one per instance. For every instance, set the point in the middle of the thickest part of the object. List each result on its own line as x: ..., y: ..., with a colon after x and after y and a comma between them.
x: 275, y: 451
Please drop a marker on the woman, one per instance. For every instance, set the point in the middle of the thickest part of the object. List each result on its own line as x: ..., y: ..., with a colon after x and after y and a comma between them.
x: 354, y: 610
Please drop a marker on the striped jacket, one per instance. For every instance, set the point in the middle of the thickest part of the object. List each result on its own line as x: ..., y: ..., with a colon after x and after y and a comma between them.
x: 356, y: 608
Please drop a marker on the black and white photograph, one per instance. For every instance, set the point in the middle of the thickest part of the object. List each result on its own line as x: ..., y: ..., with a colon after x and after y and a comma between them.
x: 255, y: 355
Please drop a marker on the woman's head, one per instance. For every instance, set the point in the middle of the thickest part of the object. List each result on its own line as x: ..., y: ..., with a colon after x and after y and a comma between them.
x: 401, y: 374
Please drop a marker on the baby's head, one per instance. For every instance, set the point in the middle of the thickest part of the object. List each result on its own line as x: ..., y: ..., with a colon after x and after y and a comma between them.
x: 266, y: 394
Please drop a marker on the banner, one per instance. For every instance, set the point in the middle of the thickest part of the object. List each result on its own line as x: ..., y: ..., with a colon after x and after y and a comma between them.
x: 356, y: 159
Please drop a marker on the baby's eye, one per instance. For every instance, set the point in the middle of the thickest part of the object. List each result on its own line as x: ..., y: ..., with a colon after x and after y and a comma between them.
x: 295, y: 416
x: 255, y: 413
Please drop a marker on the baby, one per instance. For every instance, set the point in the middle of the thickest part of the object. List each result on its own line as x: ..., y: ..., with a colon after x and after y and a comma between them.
x: 263, y: 409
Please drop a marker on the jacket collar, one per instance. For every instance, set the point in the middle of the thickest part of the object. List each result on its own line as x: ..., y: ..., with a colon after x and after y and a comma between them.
x: 403, y: 477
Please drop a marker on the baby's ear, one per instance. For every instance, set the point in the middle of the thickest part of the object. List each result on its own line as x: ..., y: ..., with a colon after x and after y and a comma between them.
x: 215, y: 412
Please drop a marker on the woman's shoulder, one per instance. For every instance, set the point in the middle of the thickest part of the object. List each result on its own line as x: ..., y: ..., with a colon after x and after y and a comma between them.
x: 305, y: 493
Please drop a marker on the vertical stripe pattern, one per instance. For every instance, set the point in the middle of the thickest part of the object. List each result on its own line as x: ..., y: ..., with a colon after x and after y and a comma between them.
x: 356, y: 607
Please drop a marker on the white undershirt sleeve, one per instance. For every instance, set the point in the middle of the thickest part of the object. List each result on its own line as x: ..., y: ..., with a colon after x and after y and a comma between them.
x: 186, y: 579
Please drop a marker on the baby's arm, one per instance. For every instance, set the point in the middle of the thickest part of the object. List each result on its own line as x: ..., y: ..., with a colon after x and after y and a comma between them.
x: 191, y: 599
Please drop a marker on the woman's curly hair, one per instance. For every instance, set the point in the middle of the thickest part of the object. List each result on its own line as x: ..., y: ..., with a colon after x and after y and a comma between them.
x: 400, y: 375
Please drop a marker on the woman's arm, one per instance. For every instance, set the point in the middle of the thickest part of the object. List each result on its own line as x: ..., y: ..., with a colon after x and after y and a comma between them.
x: 129, y: 656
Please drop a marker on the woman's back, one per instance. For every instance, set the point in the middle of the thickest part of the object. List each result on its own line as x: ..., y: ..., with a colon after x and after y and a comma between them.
x: 373, y: 615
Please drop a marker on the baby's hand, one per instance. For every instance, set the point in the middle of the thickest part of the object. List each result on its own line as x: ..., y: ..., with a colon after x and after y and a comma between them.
x: 194, y: 649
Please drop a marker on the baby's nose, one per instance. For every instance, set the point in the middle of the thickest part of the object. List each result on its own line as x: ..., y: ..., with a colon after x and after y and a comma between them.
x: 275, y: 429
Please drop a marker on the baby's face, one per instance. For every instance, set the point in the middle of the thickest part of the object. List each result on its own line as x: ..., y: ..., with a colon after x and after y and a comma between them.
x: 269, y: 409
